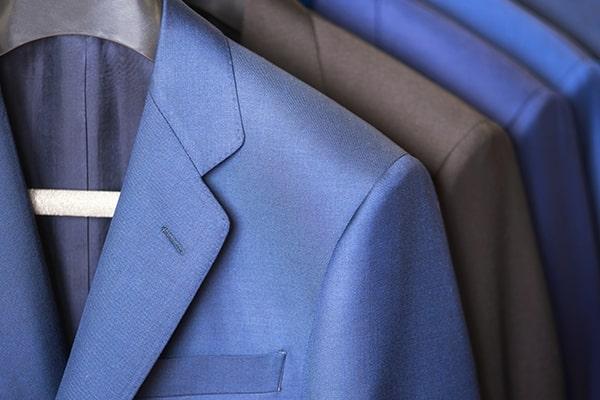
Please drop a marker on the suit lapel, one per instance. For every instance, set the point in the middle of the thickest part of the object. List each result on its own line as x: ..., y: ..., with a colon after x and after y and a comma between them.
x: 32, y: 352
x: 168, y: 227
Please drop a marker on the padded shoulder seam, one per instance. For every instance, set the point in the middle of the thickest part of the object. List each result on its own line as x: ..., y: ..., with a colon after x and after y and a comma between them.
x: 349, y: 223
x: 475, y: 129
x: 360, y: 204
x: 313, y: 29
x: 530, y: 97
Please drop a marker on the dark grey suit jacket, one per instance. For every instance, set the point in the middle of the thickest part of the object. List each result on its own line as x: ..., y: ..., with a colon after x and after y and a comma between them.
x: 476, y: 174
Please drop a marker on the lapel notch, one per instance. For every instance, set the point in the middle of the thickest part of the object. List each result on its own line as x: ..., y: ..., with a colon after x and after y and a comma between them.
x: 168, y: 228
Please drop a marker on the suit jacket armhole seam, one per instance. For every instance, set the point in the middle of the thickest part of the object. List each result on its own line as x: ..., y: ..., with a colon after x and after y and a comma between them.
x: 346, y: 228
x: 364, y: 199
x: 470, y: 132
x: 322, y: 81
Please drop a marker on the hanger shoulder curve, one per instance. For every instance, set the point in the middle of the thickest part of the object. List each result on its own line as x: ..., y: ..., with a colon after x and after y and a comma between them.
x: 131, y: 23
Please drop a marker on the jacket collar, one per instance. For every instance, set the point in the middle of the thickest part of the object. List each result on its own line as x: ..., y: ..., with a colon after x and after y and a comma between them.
x: 193, y: 85
x: 168, y: 227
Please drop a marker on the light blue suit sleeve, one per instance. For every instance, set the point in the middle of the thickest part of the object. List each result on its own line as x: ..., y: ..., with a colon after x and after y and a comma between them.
x: 465, y: 45
x: 389, y: 323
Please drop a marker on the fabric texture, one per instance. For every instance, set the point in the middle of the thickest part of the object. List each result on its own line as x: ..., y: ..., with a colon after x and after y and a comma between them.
x: 579, y: 19
x: 576, y: 76
x: 33, y: 350
x: 474, y: 169
x: 74, y: 104
x: 552, y: 57
x: 256, y: 217
x: 185, y: 376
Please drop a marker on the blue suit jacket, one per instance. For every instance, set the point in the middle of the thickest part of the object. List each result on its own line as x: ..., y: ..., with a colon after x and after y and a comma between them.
x: 578, y: 18
x: 266, y: 243
x: 541, y: 126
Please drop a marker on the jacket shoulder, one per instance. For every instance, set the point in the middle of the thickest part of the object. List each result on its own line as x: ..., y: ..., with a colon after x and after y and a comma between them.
x: 484, y: 144
x: 280, y: 110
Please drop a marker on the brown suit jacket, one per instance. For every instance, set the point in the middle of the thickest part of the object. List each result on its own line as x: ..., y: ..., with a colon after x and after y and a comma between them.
x: 476, y: 175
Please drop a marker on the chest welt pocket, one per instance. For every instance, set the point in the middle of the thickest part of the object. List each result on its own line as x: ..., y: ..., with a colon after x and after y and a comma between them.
x: 209, y: 374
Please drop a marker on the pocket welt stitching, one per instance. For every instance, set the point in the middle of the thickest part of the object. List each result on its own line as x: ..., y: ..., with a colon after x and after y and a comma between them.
x: 215, y: 374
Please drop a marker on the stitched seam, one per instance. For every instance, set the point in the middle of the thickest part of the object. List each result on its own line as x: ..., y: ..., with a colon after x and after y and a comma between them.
x: 87, y: 163
x: 281, y: 370
x: 189, y: 296
x: 155, y: 354
x: 277, y: 389
x: 171, y: 237
x: 209, y: 199
x: 459, y: 143
x: 337, y: 245
x: 220, y: 355
x: 240, y: 134
x: 313, y: 29
x: 206, y: 394
x: 576, y: 64
x: 174, y: 133
x: 523, y: 106
x: 375, y: 183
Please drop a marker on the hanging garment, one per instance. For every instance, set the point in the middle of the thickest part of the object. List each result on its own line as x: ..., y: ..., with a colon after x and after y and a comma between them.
x: 265, y: 241
x: 476, y: 176
x: 578, y: 18
x: 555, y: 59
x: 575, y: 75
x: 540, y: 124
x: 74, y: 105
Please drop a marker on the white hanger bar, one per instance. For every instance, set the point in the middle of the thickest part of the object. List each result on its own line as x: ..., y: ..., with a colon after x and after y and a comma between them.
x: 74, y: 203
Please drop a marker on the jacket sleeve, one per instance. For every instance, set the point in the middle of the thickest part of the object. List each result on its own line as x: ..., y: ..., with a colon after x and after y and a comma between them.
x: 498, y: 269
x: 389, y: 323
